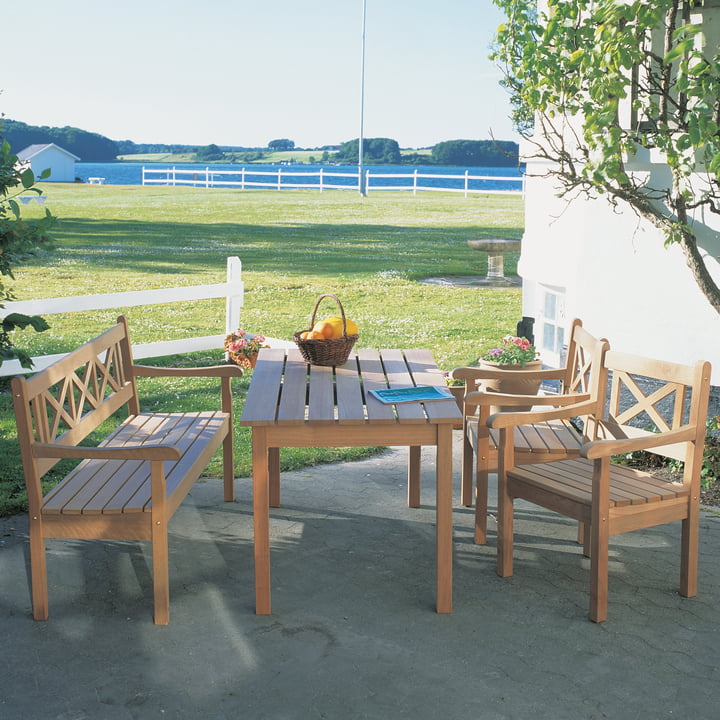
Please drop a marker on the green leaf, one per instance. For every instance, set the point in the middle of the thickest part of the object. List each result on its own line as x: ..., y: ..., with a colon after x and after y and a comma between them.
x: 27, y: 178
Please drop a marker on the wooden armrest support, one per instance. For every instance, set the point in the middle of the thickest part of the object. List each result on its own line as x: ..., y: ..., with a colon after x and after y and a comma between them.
x: 607, y: 448
x: 210, y: 371
x: 80, y: 452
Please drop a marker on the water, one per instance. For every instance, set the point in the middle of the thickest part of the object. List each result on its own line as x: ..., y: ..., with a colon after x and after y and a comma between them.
x: 124, y: 173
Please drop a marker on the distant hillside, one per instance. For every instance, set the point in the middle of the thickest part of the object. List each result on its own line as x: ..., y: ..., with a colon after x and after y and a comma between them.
x: 95, y: 148
x: 89, y: 147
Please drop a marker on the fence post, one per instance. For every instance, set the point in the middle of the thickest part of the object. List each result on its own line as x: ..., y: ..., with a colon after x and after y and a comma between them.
x: 279, y: 178
x: 242, y: 179
x: 233, y: 302
x: 143, y: 174
x: 207, y: 177
x: 466, y: 182
x: 321, y: 180
x: 415, y: 182
x: 367, y: 181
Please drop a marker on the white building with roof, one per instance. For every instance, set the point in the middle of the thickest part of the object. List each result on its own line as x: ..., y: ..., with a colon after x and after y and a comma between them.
x: 59, y: 161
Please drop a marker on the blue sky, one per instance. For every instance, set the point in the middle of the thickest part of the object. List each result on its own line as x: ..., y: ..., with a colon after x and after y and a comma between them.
x: 244, y: 72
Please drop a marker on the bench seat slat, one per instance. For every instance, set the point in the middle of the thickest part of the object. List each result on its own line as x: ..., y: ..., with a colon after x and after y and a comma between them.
x: 123, y: 486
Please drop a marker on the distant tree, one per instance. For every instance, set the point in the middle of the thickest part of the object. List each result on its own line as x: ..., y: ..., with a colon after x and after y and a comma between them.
x: 89, y: 147
x: 476, y: 153
x: 378, y: 151
x: 209, y: 153
x: 19, y: 240
x: 280, y: 145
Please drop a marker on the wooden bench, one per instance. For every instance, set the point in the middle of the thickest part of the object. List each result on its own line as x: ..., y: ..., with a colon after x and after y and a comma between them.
x: 129, y: 486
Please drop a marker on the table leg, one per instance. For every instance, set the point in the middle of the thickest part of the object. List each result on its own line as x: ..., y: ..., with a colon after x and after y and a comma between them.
x: 274, y: 473
x: 443, y: 470
x: 261, y: 520
x: 414, y: 476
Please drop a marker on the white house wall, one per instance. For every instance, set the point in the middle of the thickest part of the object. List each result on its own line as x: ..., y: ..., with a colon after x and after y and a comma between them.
x: 618, y: 277
x: 61, y: 165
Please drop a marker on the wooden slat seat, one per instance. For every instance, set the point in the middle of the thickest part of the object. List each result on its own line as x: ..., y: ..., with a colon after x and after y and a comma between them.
x: 128, y: 486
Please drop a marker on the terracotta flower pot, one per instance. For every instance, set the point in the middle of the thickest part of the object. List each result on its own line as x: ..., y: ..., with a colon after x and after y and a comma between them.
x: 512, y: 385
x: 244, y: 361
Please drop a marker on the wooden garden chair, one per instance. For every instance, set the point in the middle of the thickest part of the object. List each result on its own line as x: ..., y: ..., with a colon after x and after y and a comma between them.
x: 607, y: 498
x: 549, y: 432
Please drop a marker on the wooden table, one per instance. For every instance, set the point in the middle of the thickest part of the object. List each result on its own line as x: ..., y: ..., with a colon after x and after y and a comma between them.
x: 293, y: 404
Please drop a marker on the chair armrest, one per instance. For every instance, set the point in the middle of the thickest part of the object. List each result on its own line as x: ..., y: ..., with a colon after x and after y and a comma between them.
x: 210, y: 371
x: 106, y: 452
x: 480, y: 373
x: 510, y: 419
x: 615, y: 446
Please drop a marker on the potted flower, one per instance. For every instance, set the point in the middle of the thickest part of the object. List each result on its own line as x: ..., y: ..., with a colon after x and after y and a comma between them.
x: 243, y: 347
x: 515, y: 354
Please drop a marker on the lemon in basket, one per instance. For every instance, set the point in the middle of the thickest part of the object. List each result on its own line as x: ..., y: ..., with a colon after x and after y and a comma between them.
x: 332, y: 327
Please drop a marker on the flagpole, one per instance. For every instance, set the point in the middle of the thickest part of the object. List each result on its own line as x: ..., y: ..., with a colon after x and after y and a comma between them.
x: 361, y: 173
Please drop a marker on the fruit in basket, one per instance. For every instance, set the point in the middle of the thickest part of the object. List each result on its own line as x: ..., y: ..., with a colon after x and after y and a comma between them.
x: 325, y: 329
x: 332, y: 327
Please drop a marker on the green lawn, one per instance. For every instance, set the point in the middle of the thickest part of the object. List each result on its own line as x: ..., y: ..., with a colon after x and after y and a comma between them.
x: 294, y: 245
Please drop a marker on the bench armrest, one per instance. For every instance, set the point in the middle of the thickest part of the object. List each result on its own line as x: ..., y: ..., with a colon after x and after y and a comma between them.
x: 106, y: 452
x: 619, y: 446
x: 210, y: 371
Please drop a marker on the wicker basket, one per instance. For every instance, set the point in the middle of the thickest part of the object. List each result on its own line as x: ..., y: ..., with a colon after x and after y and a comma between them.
x: 327, y: 351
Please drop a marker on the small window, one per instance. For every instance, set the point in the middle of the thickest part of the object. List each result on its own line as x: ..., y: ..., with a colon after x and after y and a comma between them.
x: 552, y: 325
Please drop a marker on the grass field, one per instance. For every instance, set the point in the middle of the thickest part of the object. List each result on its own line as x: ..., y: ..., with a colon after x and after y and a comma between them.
x: 294, y: 245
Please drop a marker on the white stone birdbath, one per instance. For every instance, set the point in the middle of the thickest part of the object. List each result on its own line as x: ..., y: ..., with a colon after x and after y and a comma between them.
x: 496, y: 249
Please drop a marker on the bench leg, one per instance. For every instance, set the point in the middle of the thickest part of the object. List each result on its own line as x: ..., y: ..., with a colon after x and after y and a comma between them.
x: 689, y: 553
x: 38, y: 571
x: 228, y: 468
x: 228, y: 452
x: 161, y: 579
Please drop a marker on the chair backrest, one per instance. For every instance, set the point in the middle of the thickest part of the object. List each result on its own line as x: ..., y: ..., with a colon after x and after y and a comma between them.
x: 648, y: 396
x: 585, y: 370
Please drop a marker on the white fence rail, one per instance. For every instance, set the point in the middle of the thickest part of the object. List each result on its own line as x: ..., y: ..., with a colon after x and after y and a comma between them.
x: 283, y: 179
x: 232, y: 290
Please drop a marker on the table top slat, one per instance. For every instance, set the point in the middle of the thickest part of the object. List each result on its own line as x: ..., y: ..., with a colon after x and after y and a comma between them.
x: 373, y: 378
x: 425, y: 371
x: 399, y: 376
x: 286, y: 390
x: 260, y: 405
x: 350, y: 405
x: 321, y: 394
x: 294, y: 390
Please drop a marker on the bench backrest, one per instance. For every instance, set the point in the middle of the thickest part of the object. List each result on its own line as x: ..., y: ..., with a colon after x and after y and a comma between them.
x: 68, y: 400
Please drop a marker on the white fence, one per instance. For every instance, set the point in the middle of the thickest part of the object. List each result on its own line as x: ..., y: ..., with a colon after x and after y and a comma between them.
x: 232, y: 290
x: 322, y: 179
